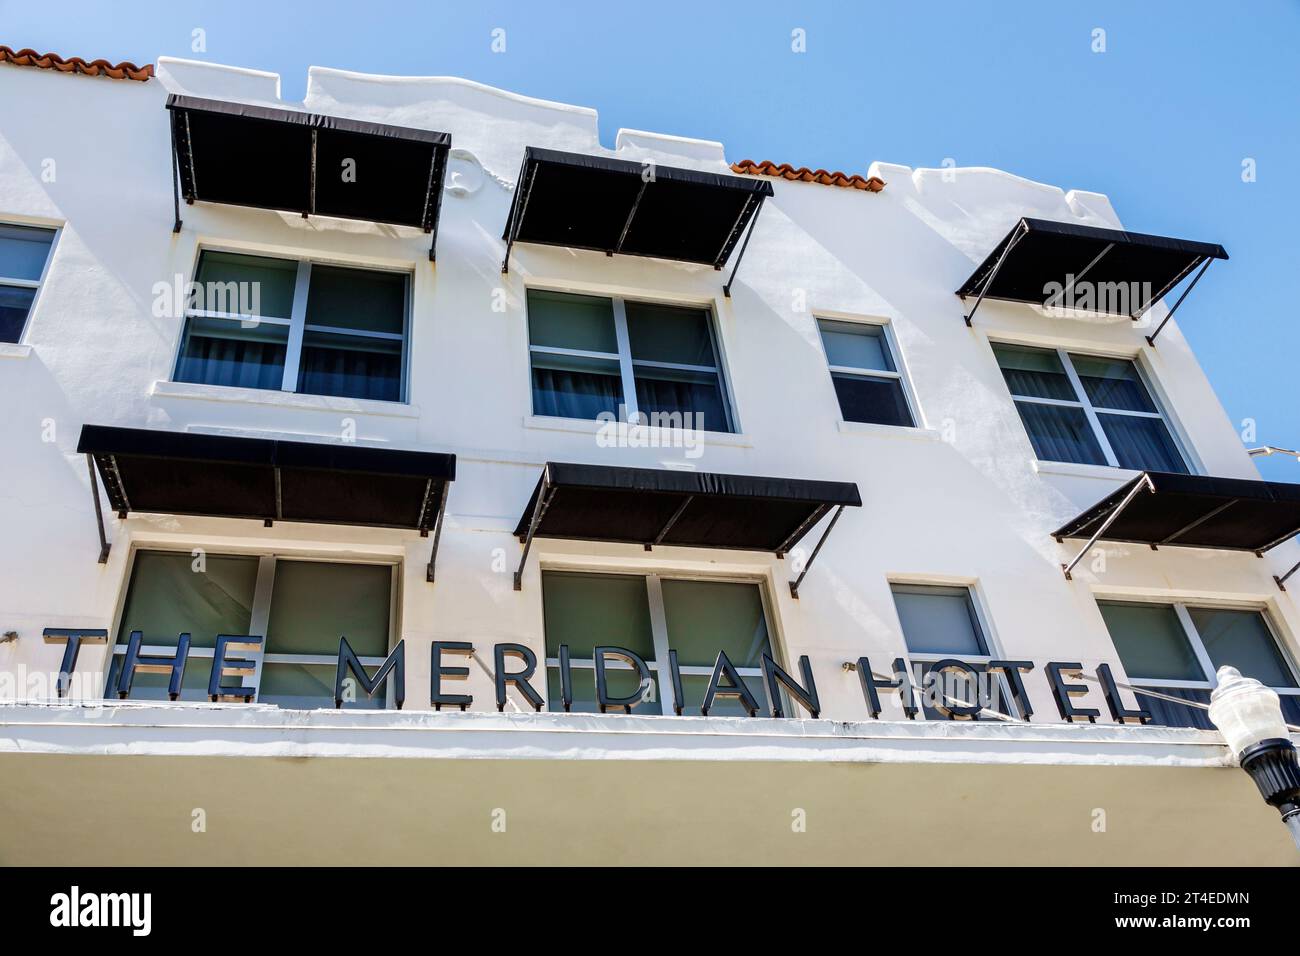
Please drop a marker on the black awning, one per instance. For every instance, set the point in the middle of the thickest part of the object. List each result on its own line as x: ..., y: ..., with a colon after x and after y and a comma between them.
x: 293, y: 161
x: 1192, y: 511
x: 617, y: 206
x: 1038, y: 253
x: 681, y: 508
x: 182, y: 473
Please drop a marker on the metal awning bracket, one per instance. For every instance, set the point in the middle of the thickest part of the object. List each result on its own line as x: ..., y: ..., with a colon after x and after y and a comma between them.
x: 544, y: 496
x: 1151, y: 339
x: 753, y: 221
x: 437, y: 534
x: 104, y: 546
x: 1021, y: 232
x: 794, y: 585
x: 1144, y: 484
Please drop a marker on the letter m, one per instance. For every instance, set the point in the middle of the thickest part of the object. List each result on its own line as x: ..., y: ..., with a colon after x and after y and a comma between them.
x: 395, y: 664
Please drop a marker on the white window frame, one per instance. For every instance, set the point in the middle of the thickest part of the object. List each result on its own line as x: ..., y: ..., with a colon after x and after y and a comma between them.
x: 1182, y: 609
x: 34, y: 284
x: 626, y: 364
x: 660, y: 668
x: 891, y: 343
x: 982, y: 621
x: 1092, y: 413
x: 296, y: 321
x: 259, y: 618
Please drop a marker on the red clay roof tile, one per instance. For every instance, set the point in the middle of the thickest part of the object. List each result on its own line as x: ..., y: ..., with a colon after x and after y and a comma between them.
x: 872, y: 184
x: 75, y: 64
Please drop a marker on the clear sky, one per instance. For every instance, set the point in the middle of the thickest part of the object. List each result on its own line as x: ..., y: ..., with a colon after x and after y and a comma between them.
x: 1162, y: 121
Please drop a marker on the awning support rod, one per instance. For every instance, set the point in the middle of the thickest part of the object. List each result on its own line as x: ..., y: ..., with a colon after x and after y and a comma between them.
x: 176, y: 181
x: 1146, y: 484
x: 517, y: 210
x: 668, y: 526
x: 627, y: 224
x: 544, y: 497
x: 1151, y: 339
x: 432, y: 227
x: 1022, y: 230
x: 794, y: 585
x: 1281, y: 581
x: 726, y: 289
x: 437, y: 535
x: 104, y: 546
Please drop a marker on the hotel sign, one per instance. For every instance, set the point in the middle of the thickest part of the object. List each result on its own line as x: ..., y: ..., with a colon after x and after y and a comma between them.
x: 952, y: 687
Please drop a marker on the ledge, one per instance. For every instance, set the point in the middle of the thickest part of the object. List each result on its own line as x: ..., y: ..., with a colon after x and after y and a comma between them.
x: 903, y: 432
x: 261, y: 396
x: 11, y: 350
x: 1072, y: 470
x: 111, y: 728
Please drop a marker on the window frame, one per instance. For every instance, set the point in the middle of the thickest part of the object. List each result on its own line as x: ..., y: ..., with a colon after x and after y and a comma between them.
x: 1092, y: 413
x: 895, y: 353
x: 660, y: 668
x: 260, y: 614
x: 36, y: 285
x: 626, y: 363
x: 991, y: 643
x: 1182, y: 609
x: 296, y: 321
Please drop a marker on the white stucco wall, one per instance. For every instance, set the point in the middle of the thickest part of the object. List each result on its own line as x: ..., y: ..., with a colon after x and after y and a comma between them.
x: 958, y: 500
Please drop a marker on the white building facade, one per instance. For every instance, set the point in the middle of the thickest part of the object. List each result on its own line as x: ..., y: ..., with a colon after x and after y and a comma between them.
x: 838, y: 366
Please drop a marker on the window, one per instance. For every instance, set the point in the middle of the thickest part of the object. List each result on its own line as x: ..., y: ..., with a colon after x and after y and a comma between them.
x: 635, y: 361
x: 651, y: 615
x: 258, y: 322
x: 867, y: 381
x: 1176, y: 649
x: 300, y: 607
x: 24, y: 250
x: 1088, y: 409
x: 942, y: 622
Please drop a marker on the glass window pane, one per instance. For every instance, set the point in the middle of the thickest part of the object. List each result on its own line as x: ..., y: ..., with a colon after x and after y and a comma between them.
x: 856, y: 345
x: 1243, y: 640
x: 688, y: 399
x: 245, y: 285
x: 705, y: 617
x: 618, y: 683
x: 23, y: 251
x: 350, y: 366
x: 584, y: 610
x: 1143, y: 444
x: 314, y: 603
x: 694, y: 688
x: 665, y: 333
x: 879, y: 401
x: 234, y: 353
x: 1113, y: 383
x: 581, y: 322
x: 570, y: 386
x: 311, y: 686
x: 939, y: 620
x: 1150, y: 641
x: 1034, y: 373
x: 15, y: 303
x: 167, y: 596
x: 1060, y: 433
x: 365, y: 300
x: 1168, y: 713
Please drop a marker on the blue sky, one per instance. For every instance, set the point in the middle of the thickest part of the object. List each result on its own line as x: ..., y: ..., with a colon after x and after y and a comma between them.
x: 1161, y: 121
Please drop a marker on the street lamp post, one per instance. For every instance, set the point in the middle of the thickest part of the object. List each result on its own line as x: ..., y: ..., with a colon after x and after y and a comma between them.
x: 1249, y: 716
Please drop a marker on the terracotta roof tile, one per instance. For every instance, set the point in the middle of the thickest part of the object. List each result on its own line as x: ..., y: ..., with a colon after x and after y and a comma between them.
x: 747, y: 167
x: 75, y: 64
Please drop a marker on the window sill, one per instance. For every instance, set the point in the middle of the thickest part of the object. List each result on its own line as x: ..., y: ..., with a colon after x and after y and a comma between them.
x: 1075, y: 470
x: 12, y: 350
x: 648, y: 435
x: 906, y: 432
x: 259, y: 396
